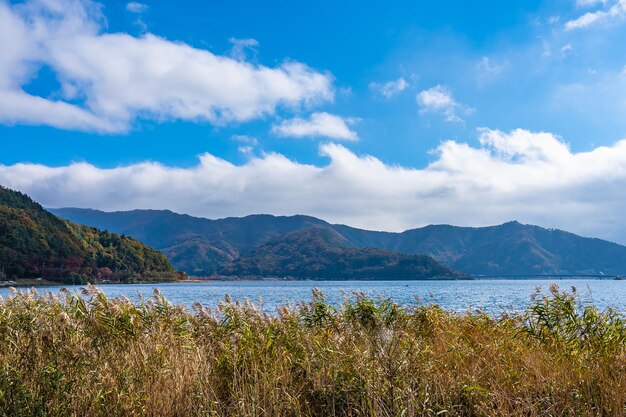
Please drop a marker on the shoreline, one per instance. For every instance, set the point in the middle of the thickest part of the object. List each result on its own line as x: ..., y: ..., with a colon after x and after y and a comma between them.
x: 34, y: 283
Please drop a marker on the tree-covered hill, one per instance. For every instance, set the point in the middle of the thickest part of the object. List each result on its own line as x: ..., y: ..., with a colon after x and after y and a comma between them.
x: 36, y: 243
x: 321, y: 253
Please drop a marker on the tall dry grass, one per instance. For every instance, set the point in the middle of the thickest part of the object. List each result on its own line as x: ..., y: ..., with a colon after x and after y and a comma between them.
x: 86, y: 355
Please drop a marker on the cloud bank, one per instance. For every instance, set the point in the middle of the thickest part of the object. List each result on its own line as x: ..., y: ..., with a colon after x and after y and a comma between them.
x: 531, y: 177
x: 107, y: 80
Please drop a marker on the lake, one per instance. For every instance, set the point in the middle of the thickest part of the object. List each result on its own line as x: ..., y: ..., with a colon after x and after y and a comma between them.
x: 493, y: 296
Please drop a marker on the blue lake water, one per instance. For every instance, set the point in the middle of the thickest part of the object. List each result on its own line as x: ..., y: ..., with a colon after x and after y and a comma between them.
x: 493, y: 296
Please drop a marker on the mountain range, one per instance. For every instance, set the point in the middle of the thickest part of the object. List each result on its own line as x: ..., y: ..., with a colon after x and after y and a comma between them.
x: 35, y: 243
x: 202, y: 246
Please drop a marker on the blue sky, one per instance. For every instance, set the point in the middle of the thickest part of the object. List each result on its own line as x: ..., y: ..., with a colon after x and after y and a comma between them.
x: 360, y: 43
x: 352, y: 90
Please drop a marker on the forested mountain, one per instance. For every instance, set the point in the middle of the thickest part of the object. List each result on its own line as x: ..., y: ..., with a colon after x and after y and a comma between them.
x: 36, y: 243
x: 322, y: 253
x: 195, y: 245
x: 202, y: 246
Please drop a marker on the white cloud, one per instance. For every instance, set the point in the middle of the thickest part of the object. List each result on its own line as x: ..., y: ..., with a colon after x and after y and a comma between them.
x: 590, y: 3
x: 108, y: 80
x: 616, y: 11
x: 246, y: 150
x: 139, y: 9
x: 390, y: 88
x: 489, y: 67
x: 248, y: 144
x: 532, y: 177
x: 249, y: 140
x: 438, y: 99
x: 318, y: 125
x: 553, y: 20
x: 566, y: 50
x: 241, y: 46
x: 135, y: 7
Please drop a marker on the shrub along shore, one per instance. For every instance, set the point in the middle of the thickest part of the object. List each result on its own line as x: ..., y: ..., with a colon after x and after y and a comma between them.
x: 83, y: 354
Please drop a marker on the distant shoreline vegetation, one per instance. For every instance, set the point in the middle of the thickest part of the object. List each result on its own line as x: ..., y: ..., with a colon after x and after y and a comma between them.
x: 83, y: 279
x: 456, y: 278
x: 183, y: 279
x: 86, y: 354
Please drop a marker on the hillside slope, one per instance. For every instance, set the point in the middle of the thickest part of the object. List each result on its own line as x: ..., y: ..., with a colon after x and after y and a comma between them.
x: 35, y: 243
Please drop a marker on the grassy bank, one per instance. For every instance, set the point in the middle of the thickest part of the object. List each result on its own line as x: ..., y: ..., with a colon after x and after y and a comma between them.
x: 88, y: 355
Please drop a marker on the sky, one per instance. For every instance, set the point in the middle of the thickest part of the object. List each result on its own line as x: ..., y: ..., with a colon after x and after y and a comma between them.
x: 385, y: 116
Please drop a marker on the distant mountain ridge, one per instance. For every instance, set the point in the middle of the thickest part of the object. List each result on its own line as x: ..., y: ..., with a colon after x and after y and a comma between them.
x: 201, y: 246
